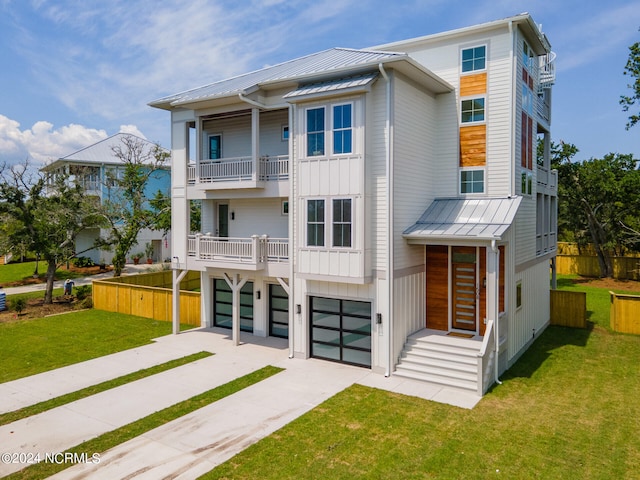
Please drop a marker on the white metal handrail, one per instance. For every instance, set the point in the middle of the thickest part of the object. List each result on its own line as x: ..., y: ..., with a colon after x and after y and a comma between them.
x: 254, y: 250
x: 277, y: 250
x: 274, y: 168
x: 270, y: 168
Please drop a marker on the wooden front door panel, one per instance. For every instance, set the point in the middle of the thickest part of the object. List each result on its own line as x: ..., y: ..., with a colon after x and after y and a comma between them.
x: 464, y: 289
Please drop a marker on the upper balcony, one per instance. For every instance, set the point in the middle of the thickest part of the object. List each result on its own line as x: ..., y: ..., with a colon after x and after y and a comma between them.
x: 238, y: 172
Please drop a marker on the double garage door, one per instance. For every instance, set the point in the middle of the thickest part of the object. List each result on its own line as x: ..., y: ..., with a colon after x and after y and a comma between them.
x: 341, y: 330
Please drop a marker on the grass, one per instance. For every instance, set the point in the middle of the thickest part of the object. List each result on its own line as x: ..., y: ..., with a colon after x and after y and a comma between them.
x: 9, y: 417
x: 16, y: 272
x: 120, y: 435
x: 567, y: 409
x: 34, y: 346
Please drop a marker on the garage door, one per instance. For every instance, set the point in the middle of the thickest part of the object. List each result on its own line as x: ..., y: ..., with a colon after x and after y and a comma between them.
x: 223, y: 305
x: 341, y: 330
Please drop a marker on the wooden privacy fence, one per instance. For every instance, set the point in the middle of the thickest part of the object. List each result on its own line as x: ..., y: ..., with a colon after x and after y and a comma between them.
x: 136, y: 295
x: 570, y: 260
x: 624, y: 314
x: 568, y: 309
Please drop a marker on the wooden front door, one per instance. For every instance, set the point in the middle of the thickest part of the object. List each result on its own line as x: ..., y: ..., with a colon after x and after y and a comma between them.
x: 464, y: 288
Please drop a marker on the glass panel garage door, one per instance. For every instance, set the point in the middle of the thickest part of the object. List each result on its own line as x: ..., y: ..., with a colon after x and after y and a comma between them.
x: 278, y: 311
x: 222, y: 305
x: 341, y: 330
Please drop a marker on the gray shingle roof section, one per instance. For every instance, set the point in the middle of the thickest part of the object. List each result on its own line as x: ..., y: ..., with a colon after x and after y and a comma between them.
x: 340, y: 84
x: 461, y: 218
x: 321, y: 63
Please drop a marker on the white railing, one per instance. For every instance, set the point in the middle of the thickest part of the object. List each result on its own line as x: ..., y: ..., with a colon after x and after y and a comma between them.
x: 546, y: 70
x: 238, y: 169
x: 274, y: 168
x: 486, y: 359
x: 254, y: 250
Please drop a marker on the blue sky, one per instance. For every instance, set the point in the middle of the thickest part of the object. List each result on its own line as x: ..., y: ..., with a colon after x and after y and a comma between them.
x: 76, y: 71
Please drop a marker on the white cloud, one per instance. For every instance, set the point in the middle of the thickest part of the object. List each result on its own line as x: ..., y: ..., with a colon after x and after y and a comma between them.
x: 42, y: 142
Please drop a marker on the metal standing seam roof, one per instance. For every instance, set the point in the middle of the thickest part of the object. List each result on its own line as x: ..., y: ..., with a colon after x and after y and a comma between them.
x: 461, y: 218
x: 325, y: 62
x: 347, y: 83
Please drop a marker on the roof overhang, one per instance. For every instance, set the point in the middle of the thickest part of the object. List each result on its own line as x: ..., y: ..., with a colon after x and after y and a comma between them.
x: 464, y: 220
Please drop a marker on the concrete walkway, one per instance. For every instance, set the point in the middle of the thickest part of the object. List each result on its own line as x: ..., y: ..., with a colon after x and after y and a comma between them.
x: 197, y: 442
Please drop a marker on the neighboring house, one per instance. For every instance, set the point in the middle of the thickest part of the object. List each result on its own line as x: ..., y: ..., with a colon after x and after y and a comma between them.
x: 94, y: 167
x: 377, y: 206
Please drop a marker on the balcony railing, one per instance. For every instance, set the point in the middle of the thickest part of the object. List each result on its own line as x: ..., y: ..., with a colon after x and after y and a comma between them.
x: 256, y: 250
x: 239, y: 169
x: 547, y: 177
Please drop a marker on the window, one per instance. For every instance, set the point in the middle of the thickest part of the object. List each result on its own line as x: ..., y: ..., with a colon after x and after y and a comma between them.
x: 474, y: 59
x: 285, y: 133
x: 519, y: 294
x: 315, y: 223
x: 342, y: 133
x: 315, y: 132
x: 472, y: 110
x: 342, y: 222
x: 285, y: 207
x: 527, y: 56
x: 472, y: 181
x: 215, y: 147
x: 526, y: 142
x: 526, y: 183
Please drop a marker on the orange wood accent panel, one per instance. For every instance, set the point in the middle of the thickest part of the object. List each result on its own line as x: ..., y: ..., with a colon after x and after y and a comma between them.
x: 473, y: 84
x: 473, y: 146
x: 437, y: 287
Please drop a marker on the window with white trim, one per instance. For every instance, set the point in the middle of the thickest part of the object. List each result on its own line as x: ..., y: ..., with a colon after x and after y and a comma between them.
x: 341, y: 224
x: 315, y: 132
x: 315, y: 223
x: 472, y: 181
x: 472, y: 110
x: 342, y: 128
x: 474, y: 58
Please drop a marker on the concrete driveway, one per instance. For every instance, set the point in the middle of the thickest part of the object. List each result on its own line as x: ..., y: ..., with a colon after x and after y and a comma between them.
x: 197, y: 442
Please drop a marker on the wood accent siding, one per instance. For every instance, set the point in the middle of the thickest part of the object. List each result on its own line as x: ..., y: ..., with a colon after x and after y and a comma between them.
x: 473, y: 146
x: 473, y: 84
x: 437, y: 259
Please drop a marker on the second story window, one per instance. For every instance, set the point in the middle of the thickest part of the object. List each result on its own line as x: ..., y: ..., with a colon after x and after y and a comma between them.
x: 315, y: 132
x: 342, y: 222
x: 472, y: 110
x: 315, y: 223
x: 215, y: 147
x: 474, y: 59
x: 342, y: 129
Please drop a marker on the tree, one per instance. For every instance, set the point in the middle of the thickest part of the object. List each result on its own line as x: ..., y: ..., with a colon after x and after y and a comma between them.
x: 632, y: 69
x: 126, y: 208
x: 44, y: 215
x: 598, y: 201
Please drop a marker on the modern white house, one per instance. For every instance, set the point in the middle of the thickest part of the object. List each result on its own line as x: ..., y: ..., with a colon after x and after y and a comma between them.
x: 93, y: 167
x: 382, y: 207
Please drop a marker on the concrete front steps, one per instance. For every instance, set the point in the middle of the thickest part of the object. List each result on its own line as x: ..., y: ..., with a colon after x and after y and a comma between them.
x: 441, y: 359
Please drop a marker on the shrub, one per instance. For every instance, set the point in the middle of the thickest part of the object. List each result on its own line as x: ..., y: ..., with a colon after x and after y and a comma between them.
x: 83, y: 291
x: 19, y: 304
x: 81, y: 262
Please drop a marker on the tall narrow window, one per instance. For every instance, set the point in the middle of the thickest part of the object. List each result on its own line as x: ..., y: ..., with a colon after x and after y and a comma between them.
x: 315, y: 132
x: 315, y: 223
x: 342, y: 222
x: 215, y: 147
x: 472, y: 110
x: 342, y: 129
x: 474, y: 59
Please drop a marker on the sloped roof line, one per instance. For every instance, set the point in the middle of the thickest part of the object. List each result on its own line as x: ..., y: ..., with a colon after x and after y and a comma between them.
x: 111, y: 137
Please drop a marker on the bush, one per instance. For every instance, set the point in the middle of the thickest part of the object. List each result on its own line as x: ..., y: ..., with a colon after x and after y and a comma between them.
x: 81, y: 262
x: 18, y: 304
x: 83, y: 291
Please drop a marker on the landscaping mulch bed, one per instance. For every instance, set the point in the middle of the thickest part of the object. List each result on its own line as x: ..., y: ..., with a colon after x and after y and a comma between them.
x: 35, y: 308
x: 77, y: 271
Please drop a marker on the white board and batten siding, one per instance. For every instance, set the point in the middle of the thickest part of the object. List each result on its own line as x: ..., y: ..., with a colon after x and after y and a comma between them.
x: 409, y: 305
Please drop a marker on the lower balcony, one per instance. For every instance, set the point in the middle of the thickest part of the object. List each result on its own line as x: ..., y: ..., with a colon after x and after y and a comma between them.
x: 257, y: 252
x: 239, y: 172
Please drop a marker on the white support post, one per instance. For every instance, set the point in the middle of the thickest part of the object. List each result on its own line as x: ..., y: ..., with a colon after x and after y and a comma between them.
x: 255, y: 141
x: 235, y: 284
x: 178, y: 275
x: 255, y: 249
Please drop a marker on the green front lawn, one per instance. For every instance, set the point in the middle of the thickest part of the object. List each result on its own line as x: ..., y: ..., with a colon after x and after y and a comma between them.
x: 18, y: 272
x: 567, y: 409
x: 33, y: 346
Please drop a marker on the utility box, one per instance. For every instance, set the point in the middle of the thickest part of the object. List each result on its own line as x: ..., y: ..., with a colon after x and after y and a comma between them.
x: 3, y: 301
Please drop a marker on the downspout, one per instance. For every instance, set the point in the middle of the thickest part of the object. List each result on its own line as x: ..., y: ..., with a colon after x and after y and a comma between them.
x: 292, y: 212
x: 389, y: 187
x: 512, y: 116
x: 496, y: 301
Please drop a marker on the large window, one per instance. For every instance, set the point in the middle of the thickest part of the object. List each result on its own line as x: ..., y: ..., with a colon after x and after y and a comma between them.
x: 472, y: 110
x: 342, y: 222
x: 342, y: 129
x: 474, y: 58
x: 315, y: 132
x: 315, y: 223
x: 215, y: 147
x: 472, y: 181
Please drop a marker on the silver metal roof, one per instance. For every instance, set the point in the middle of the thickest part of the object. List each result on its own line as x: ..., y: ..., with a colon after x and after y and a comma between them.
x: 341, y: 84
x: 462, y: 218
x: 319, y: 64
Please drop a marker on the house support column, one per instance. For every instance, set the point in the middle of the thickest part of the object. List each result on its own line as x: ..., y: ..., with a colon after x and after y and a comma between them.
x: 178, y: 275
x: 255, y: 142
x: 493, y: 297
x: 235, y: 284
